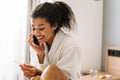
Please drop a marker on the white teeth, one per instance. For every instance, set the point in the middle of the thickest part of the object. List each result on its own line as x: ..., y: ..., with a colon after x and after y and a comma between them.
x: 40, y: 37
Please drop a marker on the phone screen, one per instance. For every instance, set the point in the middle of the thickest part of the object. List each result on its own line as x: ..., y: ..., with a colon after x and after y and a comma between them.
x: 36, y: 41
x: 17, y: 62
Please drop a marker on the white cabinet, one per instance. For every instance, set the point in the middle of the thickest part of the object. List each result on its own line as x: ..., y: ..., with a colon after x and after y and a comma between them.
x: 113, y: 60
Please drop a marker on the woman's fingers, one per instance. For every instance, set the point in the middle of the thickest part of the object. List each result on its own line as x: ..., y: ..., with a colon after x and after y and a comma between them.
x: 28, y: 75
x: 23, y: 67
x: 30, y: 41
x: 29, y: 66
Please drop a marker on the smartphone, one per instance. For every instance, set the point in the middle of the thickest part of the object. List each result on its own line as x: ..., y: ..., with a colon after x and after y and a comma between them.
x: 17, y: 62
x: 35, y: 40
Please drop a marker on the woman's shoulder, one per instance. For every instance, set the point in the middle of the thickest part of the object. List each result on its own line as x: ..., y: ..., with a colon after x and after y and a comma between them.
x: 69, y: 39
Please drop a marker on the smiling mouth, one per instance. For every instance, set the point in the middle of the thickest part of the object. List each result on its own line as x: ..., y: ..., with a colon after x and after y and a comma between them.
x: 41, y: 37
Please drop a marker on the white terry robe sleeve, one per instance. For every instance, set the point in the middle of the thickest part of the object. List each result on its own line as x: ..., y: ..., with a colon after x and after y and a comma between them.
x: 35, y: 61
x: 70, y: 61
x: 45, y: 64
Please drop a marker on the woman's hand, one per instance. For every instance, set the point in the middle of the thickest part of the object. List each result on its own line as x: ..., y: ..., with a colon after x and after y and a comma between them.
x: 39, y: 49
x: 30, y: 71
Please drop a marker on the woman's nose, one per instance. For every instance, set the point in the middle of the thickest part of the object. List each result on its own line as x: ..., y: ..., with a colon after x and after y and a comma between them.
x: 37, y: 32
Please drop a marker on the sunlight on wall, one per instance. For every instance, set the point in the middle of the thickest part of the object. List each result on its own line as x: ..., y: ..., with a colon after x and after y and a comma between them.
x: 12, y: 36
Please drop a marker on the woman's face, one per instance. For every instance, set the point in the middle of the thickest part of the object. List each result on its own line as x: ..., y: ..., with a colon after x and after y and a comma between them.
x: 43, y: 30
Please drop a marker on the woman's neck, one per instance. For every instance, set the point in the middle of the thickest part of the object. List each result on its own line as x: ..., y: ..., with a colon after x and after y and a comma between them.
x: 49, y: 43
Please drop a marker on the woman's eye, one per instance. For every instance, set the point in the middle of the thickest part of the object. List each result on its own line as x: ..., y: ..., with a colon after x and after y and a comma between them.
x: 41, y: 28
x: 38, y: 29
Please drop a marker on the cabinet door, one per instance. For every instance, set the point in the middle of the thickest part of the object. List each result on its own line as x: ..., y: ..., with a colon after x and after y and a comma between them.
x: 113, y: 66
x: 113, y: 60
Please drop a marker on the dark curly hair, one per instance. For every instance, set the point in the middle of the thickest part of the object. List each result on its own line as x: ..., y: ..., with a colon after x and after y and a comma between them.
x: 55, y: 13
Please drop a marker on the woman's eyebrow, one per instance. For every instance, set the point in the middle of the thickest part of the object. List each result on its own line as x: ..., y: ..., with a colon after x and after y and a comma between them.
x: 41, y: 24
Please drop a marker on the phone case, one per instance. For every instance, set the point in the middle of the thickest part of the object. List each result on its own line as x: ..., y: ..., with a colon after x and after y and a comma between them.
x: 36, y: 41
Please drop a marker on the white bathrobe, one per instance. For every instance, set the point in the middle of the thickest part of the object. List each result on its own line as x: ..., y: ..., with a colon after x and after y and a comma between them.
x: 64, y: 53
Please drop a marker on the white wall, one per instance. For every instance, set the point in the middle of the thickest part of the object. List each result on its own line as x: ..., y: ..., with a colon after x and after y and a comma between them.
x: 111, y: 26
x: 89, y: 20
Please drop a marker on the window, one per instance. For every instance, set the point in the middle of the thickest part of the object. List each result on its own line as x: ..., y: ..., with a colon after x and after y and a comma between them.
x: 13, y: 18
x: 13, y: 27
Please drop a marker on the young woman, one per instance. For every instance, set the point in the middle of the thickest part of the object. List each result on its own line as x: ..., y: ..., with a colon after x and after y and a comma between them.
x: 56, y: 56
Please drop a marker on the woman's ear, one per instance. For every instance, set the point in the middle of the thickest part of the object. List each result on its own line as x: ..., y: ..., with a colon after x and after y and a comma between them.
x: 55, y: 26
